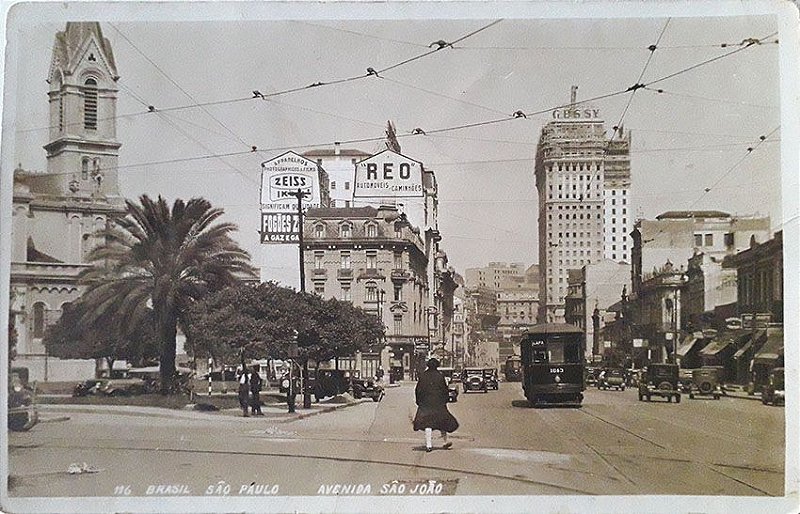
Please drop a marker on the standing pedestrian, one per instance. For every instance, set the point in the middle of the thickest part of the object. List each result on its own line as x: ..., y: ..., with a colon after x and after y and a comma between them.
x: 244, y: 391
x: 432, y: 414
x: 255, y: 390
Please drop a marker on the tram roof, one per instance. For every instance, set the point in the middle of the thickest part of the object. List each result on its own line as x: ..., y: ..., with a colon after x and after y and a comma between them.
x: 554, y: 328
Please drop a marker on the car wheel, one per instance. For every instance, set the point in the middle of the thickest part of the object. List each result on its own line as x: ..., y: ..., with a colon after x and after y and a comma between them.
x: 665, y: 386
x: 716, y: 397
x: 764, y: 401
x: 706, y: 387
x: 669, y: 399
x: 691, y: 396
x: 649, y: 398
x: 678, y: 399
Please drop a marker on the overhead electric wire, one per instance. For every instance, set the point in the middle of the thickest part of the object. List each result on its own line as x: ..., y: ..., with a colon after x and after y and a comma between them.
x: 356, y: 33
x: 750, y: 150
x: 706, y: 98
x: 173, y: 82
x: 437, y: 131
x: 440, y: 95
x: 709, y: 61
x: 263, y: 96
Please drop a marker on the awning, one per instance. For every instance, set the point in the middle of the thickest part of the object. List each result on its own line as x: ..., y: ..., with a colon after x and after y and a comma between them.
x: 688, y: 344
x: 741, y: 351
x: 752, y: 342
x: 716, y: 346
x: 772, y: 349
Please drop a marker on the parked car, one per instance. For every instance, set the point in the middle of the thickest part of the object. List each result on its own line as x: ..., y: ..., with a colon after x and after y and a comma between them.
x: 705, y: 382
x: 774, y: 391
x: 451, y: 378
x: 88, y: 387
x: 660, y: 380
x: 123, y: 386
x: 367, y: 388
x: 490, y: 376
x: 23, y: 413
x: 613, y: 378
x: 472, y: 379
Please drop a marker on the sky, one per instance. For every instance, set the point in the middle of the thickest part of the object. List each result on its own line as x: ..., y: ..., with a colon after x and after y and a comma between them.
x: 691, y: 137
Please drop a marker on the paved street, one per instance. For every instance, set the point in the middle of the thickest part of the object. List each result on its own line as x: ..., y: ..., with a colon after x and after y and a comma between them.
x: 612, y: 445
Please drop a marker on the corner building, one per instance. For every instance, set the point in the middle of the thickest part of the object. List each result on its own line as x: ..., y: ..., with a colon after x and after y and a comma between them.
x: 583, y: 183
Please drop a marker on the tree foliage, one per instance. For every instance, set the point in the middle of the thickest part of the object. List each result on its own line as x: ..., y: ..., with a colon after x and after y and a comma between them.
x: 160, y: 260
x: 105, y: 337
x: 261, y: 322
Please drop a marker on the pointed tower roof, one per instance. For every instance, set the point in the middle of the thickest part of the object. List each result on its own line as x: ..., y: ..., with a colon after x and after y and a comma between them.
x: 71, y: 43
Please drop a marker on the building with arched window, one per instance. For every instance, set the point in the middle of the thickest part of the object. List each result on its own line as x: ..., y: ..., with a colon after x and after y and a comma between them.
x: 57, y: 213
x: 375, y: 259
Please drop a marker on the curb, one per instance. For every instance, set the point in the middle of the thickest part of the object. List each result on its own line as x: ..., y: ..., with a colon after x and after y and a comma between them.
x: 54, y: 420
x: 324, y: 410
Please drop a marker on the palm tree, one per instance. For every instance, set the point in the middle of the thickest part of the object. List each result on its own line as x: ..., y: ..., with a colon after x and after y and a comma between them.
x: 163, y: 260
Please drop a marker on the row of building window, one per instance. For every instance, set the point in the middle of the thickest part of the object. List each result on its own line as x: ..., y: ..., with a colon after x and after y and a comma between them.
x: 346, y: 185
x: 345, y: 261
x: 346, y: 230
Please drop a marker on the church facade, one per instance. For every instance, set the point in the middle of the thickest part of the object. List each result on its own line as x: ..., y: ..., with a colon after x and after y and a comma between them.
x: 56, y: 213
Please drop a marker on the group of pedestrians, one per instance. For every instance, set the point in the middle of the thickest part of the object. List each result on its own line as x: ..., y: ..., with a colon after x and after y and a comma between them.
x: 250, y: 384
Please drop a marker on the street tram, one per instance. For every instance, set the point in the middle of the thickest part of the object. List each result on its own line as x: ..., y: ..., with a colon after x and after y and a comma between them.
x: 513, y: 369
x: 553, y: 364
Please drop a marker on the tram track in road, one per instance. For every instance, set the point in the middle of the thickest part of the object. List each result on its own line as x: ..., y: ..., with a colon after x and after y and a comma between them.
x: 709, y: 466
x: 414, y: 466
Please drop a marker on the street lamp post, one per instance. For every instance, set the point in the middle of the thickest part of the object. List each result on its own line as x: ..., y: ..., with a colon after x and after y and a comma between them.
x: 300, y: 195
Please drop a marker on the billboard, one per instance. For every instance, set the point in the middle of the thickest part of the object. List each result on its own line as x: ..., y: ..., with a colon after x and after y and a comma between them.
x: 281, y: 178
x: 388, y: 174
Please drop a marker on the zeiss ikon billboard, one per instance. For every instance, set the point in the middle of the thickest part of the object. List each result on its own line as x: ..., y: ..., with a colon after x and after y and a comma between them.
x: 281, y: 178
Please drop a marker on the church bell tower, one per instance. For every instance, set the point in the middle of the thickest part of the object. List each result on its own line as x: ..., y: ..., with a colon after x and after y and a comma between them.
x: 83, y: 149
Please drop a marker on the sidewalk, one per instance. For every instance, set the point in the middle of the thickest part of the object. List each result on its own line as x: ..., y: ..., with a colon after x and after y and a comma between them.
x: 272, y: 412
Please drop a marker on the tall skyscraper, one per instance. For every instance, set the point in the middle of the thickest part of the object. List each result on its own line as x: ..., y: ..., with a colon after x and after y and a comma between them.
x: 583, y: 182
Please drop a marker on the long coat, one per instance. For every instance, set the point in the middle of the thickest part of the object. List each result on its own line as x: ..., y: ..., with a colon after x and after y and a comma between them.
x: 431, y: 393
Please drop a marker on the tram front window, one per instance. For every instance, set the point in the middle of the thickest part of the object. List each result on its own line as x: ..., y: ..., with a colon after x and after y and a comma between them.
x: 564, y: 353
x: 539, y: 356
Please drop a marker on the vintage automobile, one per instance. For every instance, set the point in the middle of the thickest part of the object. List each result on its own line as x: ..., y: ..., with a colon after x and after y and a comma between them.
x: 451, y: 377
x: 774, y: 392
x: 490, y: 376
x: 660, y: 380
x: 23, y: 413
x: 705, y: 382
x: 88, y: 387
x: 123, y: 386
x: 613, y: 378
x: 472, y: 379
x: 367, y: 388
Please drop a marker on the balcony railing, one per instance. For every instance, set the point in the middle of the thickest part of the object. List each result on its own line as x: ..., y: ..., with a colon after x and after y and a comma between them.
x: 344, y: 273
x: 319, y: 272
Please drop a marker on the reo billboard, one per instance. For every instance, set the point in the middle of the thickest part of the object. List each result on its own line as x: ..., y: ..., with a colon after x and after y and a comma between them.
x: 388, y: 174
x: 281, y: 178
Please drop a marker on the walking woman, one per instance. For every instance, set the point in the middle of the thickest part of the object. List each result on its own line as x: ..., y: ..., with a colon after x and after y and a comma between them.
x: 432, y: 413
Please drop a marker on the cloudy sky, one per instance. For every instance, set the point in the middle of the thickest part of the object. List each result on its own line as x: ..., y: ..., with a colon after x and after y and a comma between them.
x: 692, y: 136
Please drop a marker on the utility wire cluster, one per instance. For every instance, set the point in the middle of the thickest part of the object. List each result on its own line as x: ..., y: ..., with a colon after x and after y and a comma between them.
x: 435, y: 47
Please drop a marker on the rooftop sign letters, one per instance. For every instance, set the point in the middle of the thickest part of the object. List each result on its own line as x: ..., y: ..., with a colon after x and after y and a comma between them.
x: 281, y: 178
x: 388, y: 175
x: 575, y: 114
